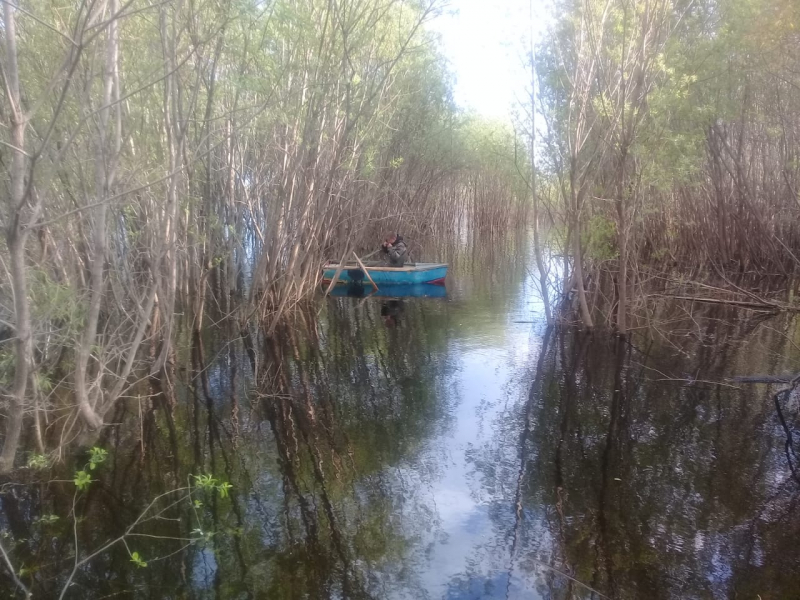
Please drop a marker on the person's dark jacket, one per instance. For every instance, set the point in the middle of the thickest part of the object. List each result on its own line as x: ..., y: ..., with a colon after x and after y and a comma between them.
x: 397, y: 253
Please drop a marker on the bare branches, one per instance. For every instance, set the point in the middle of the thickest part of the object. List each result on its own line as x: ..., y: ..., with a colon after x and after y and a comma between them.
x: 170, y: 145
x: 13, y: 572
x: 29, y: 14
x: 129, y: 531
x: 648, y: 160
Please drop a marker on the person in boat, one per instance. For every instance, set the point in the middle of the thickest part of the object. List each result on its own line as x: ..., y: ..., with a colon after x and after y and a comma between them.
x: 394, y: 250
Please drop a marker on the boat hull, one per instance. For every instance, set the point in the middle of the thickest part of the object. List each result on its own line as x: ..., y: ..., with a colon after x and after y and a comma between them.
x: 390, y: 290
x: 434, y: 273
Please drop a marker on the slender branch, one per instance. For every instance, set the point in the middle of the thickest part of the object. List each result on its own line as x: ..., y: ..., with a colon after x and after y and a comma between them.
x: 11, y: 570
x: 140, y: 519
x: 29, y: 14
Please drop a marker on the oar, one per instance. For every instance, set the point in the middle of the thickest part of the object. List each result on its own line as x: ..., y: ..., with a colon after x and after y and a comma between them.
x: 341, y: 268
x: 337, y: 273
x: 363, y: 268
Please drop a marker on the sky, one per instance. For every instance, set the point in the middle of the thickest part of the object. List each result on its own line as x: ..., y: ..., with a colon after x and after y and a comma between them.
x: 485, y: 42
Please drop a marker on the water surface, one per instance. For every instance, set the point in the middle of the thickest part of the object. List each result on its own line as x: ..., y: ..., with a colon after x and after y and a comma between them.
x: 444, y: 448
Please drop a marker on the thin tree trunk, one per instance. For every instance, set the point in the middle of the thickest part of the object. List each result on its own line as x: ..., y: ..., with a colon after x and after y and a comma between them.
x: 16, y: 236
x: 586, y: 315
x: 107, y: 146
x: 622, y: 241
x: 537, y: 245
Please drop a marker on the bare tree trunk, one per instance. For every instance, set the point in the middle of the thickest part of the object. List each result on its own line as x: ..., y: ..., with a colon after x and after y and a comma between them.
x: 622, y: 284
x: 622, y: 242
x: 16, y: 237
x: 107, y: 148
x: 174, y: 133
x: 586, y: 315
x: 23, y: 345
x: 537, y: 244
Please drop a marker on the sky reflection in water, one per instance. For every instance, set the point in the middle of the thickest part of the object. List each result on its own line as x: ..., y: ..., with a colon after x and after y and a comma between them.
x: 459, y: 451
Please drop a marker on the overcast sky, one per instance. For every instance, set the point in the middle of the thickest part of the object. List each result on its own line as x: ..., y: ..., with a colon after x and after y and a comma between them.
x: 485, y: 42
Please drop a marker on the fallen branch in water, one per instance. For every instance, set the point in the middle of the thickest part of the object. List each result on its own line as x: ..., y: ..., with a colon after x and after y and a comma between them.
x: 763, y: 378
x: 742, y: 303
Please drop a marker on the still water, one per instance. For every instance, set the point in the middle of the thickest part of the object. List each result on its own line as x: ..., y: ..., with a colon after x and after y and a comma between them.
x: 444, y: 448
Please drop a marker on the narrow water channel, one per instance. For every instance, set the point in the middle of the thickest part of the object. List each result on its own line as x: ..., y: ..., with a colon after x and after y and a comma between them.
x: 445, y: 448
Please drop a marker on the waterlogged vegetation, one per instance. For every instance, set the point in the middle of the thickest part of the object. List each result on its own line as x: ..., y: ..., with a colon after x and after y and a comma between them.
x: 232, y: 148
x: 30, y: 576
x: 186, y: 415
x: 462, y: 453
x: 670, y: 151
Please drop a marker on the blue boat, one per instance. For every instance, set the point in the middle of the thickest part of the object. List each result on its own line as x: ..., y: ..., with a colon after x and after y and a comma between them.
x: 381, y: 274
x: 390, y: 290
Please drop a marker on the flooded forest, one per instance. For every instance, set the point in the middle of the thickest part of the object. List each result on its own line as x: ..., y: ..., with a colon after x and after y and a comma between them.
x: 601, y: 401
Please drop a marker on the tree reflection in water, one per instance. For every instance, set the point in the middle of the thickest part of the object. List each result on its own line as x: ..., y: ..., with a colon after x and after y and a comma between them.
x: 642, y: 484
x: 455, y: 456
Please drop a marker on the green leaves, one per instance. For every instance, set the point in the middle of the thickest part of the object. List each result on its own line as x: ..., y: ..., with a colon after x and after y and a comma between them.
x: 223, y: 489
x: 82, y: 480
x: 55, y: 302
x: 38, y: 462
x: 210, y: 483
x: 48, y: 519
x: 600, y: 239
x: 137, y: 560
x: 96, y: 457
x: 205, y: 482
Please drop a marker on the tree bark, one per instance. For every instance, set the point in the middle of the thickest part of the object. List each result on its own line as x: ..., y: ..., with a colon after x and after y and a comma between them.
x: 16, y: 236
x: 107, y: 147
x: 537, y: 244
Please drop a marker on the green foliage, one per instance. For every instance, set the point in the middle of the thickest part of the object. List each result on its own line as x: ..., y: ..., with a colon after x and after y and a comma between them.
x: 38, y: 461
x: 43, y: 382
x: 137, y: 560
x: 600, y: 239
x: 363, y: 93
x: 7, y: 360
x: 82, y: 480
x: 665, y: 114
x: 48, y: 519
x: 56, y: 303
x: 205, y: 482
x: 210, y: 484
x: 223, y: 489
x: 234, y: 531
x: 96, y: 457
